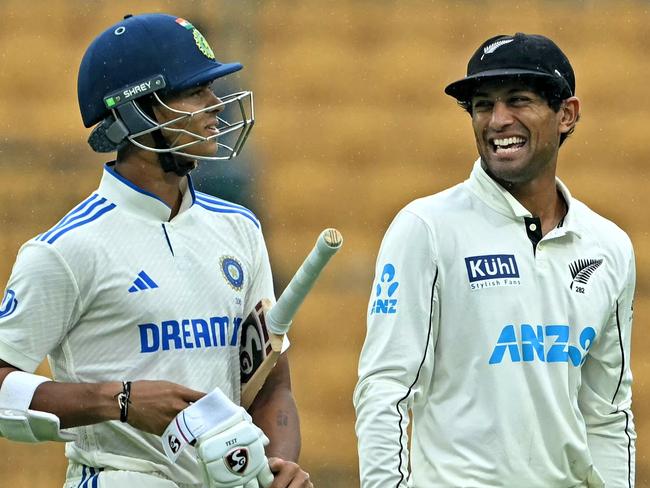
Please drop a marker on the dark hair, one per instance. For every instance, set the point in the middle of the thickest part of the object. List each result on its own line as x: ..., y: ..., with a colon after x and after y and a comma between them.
x: 549, y: 91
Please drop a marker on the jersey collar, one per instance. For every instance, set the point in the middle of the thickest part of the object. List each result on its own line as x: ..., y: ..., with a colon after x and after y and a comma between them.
x: 134, y: 199
x: 500, y: 200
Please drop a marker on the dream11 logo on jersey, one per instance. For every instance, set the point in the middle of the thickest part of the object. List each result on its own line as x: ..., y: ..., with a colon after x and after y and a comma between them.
x: 492, y: 270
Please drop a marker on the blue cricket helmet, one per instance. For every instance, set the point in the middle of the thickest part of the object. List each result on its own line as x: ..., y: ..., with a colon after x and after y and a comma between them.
x: 139, y: 49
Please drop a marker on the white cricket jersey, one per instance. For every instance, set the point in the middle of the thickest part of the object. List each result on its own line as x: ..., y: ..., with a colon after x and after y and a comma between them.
x: 117, y: 291
x: 513, y: 362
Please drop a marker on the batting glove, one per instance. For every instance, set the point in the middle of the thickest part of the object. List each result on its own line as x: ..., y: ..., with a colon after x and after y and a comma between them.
x: 230, y: 447
x: 232, y: 454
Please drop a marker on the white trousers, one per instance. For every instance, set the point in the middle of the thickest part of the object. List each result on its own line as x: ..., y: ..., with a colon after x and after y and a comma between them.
x: 79, y: 476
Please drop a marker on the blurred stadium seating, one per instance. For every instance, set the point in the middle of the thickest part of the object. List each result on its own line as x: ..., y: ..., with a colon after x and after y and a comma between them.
x: 352, y: 123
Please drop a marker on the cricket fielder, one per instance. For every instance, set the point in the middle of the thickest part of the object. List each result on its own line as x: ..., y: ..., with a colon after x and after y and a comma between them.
x: 137, y: 295
x: 500, y: 318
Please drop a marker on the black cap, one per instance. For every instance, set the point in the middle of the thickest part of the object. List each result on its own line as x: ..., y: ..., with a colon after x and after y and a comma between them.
x: 521, y: 55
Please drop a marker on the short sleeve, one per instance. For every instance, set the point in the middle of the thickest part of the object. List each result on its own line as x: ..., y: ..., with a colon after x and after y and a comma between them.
x: 261, y: 285
x: 40, y: 304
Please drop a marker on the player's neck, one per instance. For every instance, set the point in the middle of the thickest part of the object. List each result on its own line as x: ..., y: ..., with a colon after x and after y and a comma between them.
x: 542, y: 199
x: 143, y: 169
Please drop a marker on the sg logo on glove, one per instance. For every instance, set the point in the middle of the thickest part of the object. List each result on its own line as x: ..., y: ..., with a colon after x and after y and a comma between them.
x: 174, y: 443
x: 236, y: 460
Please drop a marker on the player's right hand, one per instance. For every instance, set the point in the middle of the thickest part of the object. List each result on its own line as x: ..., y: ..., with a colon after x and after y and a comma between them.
x: 288, y: 474
x: 232, y: 454
x: 154, y: 404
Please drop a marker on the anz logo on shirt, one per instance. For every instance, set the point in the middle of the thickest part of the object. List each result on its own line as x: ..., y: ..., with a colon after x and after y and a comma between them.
x: 545, y: 343
x: 385, y: 299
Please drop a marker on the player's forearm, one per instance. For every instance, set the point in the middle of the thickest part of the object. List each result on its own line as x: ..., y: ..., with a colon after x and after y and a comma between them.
x: 381, y: 427
x: 274, y: 411
x: 614, y: 454
x: 79, y: 403
x: 74, y: 403
x: 281, y: 424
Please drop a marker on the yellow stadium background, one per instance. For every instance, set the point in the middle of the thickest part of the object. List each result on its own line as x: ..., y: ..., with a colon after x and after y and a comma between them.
x: 352, y: 124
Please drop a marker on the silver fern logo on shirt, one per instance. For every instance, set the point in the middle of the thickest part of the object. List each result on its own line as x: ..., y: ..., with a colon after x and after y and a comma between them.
x: 492, y: 270
x: 581, y: 270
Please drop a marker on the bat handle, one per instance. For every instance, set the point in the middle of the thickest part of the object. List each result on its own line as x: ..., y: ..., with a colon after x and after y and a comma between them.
x: 281, y: 315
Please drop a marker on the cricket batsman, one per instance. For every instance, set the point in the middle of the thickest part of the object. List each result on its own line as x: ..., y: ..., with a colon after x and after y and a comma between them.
x: 137, y: 295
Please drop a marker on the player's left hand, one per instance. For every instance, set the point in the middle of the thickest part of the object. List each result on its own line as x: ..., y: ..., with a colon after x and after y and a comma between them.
x: 232, y: 453
x: 288, y: 474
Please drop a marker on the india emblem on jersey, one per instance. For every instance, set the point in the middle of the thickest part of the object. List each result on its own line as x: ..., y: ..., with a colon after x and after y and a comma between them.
x: 232, y: 271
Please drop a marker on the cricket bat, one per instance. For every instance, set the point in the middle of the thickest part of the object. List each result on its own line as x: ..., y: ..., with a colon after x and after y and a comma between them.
x: 264, y: 329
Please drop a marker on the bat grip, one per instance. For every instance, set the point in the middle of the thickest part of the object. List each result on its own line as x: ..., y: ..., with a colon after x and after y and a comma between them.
x: 280, y: 316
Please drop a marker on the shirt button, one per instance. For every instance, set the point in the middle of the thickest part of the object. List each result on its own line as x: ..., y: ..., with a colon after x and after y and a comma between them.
x: 532, y: 227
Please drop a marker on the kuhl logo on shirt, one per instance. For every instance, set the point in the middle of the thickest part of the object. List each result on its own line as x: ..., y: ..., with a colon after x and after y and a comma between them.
x: 492, y: 270
x: 545, y: 343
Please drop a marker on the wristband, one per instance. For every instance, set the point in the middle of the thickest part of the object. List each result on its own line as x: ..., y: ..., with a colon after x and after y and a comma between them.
x: 123, y: 400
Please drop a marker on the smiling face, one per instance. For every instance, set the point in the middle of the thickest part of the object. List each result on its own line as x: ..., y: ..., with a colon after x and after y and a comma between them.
x: 517, y: 132
x: 204, y: 124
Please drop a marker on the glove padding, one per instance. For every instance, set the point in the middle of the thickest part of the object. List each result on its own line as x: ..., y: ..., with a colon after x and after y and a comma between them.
x: 232, y: 454
x: 263, y: 480
x: 229, y: 445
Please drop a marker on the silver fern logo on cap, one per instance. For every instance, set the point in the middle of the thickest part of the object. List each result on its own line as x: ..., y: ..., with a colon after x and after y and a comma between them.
x: 494, y: 46
x: 582, y: 269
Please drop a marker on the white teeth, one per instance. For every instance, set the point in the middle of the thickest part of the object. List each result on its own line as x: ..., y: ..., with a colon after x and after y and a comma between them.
x: 508, y: 141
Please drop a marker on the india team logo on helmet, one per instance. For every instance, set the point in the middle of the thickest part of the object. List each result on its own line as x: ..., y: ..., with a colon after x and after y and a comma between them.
x: 233, y: 271
x: 201, y: 42
x: 140, y: 61
x: 203, y: 45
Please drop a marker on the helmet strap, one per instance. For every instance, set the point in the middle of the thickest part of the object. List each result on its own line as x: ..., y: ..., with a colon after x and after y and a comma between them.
x: 169, y: 162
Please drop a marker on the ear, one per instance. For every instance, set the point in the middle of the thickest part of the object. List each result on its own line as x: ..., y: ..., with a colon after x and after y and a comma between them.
x: 569, y: 114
